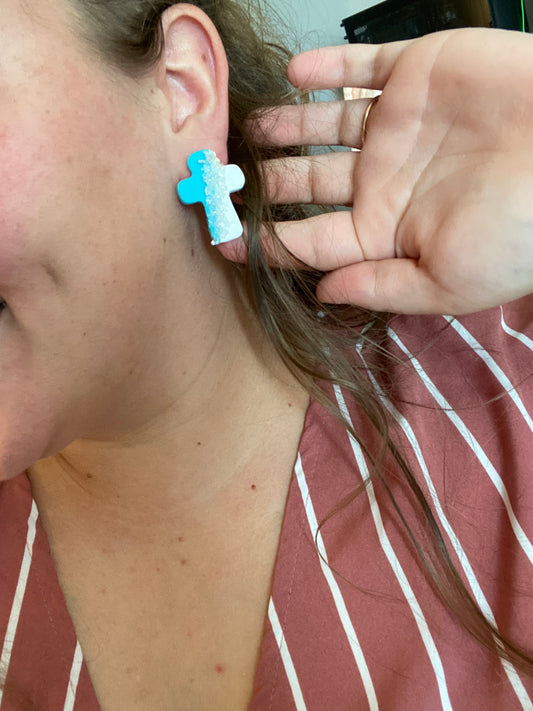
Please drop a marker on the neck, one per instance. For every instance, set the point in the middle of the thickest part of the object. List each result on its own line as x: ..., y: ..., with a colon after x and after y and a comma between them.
x: 233, y: 429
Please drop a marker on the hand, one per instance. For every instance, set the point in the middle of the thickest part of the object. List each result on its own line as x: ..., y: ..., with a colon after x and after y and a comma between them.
x: 441, y: 193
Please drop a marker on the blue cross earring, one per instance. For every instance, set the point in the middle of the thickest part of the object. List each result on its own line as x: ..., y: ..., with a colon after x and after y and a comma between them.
x: 211, y: 183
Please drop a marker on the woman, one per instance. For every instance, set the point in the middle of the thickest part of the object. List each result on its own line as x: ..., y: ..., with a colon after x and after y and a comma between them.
x: 157, y: 420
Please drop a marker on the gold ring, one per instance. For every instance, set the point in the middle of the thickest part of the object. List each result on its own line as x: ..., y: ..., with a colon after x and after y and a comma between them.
x: 369, y: 108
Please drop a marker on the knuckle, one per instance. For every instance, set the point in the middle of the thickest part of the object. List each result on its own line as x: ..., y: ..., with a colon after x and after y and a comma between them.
x: 345, y: 125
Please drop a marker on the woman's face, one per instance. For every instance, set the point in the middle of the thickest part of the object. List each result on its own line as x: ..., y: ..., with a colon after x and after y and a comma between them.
x: 87, y: 214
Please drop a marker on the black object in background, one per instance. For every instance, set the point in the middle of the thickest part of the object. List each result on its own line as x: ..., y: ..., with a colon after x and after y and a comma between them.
x: 507, y: 14
x: 405, y: 19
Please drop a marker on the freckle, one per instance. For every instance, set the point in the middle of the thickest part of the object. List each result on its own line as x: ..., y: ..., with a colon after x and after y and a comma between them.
x: 165, y: 240
x: 199, y: 444
x: 290, y: 404
x: 220, y: 668
x: 103, y: 591
x: 129, y: 671
x: 184, y: 561
x: 192, y: 251
x: 254, y: 487
x: 90, y: 476
x: 85, y: 333
x: 131, y: 372
x: 189, y: 633
x: 158, y: 570
x: 181, y: 539
x: 131, y: 568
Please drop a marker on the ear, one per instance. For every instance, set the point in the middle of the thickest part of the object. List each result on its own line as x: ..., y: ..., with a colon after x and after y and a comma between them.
x: 193, y: 76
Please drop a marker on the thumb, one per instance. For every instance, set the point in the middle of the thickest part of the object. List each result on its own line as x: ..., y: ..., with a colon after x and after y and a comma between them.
x: 393, y: 285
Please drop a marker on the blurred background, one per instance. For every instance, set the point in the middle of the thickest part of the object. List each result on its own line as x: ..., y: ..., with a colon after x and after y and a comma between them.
x: 318, y: 23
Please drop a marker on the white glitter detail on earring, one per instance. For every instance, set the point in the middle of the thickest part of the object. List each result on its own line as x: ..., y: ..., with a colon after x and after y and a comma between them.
x: 211, y: 183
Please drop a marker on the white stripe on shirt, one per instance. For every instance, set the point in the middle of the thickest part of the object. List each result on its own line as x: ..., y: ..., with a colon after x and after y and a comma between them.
x: 19, y: 594
x: 481, y: 600
x: 395, y: 564
x: 474, y: 445
x: 335, y: 590
x: 286, y: 658
x: 74, y: 678
x: 516, y: 334
x: 492, y: 366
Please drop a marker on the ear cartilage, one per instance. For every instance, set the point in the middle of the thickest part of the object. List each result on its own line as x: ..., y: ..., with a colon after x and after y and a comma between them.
x: 211, y: 183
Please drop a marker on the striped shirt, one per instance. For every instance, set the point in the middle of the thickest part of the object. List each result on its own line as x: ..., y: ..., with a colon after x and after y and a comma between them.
x: 353, y: 622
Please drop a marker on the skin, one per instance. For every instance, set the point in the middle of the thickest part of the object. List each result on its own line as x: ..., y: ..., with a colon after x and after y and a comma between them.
x: 442, y: 216
x: 126, y: 380
x: 125, y: 345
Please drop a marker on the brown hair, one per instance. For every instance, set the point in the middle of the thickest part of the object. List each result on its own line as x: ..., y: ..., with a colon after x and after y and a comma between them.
x: 314, y: 340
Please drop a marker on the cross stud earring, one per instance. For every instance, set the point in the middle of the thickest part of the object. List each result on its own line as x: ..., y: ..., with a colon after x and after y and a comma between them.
x: 211, y: 183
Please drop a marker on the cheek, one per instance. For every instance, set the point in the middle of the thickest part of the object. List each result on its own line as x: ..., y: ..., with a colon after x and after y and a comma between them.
x: 21, y: 182
x: 75, y: 187
x: 43, y: 171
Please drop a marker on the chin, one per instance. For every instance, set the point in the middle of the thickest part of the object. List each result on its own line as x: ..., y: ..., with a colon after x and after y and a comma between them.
x: 21, y: 447
x: 11, y: 464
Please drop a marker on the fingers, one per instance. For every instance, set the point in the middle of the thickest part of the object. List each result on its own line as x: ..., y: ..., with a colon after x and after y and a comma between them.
x: 324, y: 242
x: 393, y: 285
x: 362, y: 65
x: 234, y: 251
x: 326, y: 123
x: 387, y: 285
x: 322, y: 180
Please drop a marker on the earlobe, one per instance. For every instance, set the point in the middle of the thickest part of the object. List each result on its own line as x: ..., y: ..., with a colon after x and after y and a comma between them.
x: 194, y: 76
